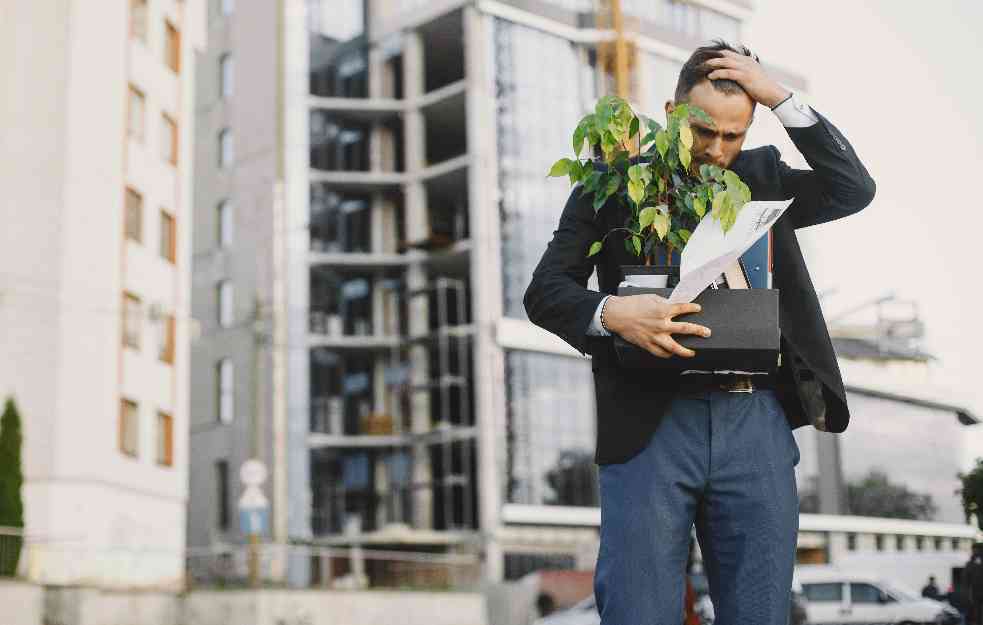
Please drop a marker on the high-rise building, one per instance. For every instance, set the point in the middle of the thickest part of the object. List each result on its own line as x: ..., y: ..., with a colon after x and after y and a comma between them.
x: 95, y: 268
x: 372, y: 201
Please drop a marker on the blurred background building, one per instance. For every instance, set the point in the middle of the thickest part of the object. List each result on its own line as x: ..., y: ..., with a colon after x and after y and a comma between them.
x: 372, y: 201
x: 95, y: 268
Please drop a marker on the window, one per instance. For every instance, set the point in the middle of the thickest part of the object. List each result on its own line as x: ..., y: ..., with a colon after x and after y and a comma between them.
x: 225, y: 68
x: 226, y: 149
x: 172, y: 47
x: 955, y: 544
x: 899, y: 542
x: 224, y: 303
x: 919, y: 543
x: 135, y: 111
x: 825, y: 592
x: 131, y: 320
x: 224, y: 221
x: 851, y: 541
x: 168, y: 237
x: 225, y: 390
x: 168, y: 139
x: 165, y: 439
x: 138, y: 20
x: 937, y: 543
x: 167, y: 340
x: 222, y: 493
x: 228, y: 6
x: 134, y: 215
x: 129, y: 427
x: 879, y: 542
x: 864, y: 594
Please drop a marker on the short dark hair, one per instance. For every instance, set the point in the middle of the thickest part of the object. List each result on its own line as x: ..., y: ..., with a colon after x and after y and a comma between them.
x: 694, y: 70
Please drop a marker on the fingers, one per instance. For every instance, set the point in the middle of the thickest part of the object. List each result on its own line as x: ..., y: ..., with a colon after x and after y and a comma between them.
x: 681, y: 327
x: 722, y: 74
x: 669, y: 344
x: 681, y: 309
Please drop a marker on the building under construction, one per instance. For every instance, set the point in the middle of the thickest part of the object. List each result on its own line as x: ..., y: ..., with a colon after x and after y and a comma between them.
x: 371, y: 203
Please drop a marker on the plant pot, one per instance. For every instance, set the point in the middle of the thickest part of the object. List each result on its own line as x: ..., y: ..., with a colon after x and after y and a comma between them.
x: 745, y: 332
x: 654, y: 276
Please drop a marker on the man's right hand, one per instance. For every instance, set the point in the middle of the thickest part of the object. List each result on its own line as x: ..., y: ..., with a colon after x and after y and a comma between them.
x: 646, y: 321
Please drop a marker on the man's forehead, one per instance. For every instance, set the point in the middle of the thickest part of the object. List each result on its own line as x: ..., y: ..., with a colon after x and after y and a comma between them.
x: 723, y: 127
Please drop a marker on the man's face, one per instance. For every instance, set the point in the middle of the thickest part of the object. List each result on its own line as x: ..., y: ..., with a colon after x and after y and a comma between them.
x: 732, y: 114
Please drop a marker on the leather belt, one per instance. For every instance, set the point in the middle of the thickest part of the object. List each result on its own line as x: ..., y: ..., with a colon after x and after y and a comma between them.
x: 730, y: 382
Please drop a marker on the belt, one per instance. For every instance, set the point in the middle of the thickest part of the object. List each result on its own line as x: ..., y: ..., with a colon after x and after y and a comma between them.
x: 730, y: 382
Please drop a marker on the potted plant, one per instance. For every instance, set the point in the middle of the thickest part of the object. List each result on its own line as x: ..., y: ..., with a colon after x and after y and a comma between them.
x: 665, y: 194
x: 652, y: 176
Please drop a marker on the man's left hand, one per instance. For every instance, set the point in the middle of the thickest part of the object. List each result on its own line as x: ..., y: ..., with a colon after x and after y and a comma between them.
x: 750, y: 75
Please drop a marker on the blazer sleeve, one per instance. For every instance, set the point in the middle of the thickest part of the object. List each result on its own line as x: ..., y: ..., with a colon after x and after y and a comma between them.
x: 557, y: 298
x: 838, y: 183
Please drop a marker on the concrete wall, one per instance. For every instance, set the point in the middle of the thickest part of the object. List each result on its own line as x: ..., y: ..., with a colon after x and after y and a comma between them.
x: 302, y: 607
x: 20, y: 603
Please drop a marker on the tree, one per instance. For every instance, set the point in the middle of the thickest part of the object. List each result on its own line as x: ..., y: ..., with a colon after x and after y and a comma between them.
x: 875, y: 495
x: 573, y: 479
x: 11, y: 479
x: 972, y: 491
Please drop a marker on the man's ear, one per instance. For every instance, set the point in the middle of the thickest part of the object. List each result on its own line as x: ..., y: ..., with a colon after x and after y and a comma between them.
x: 669, y: 106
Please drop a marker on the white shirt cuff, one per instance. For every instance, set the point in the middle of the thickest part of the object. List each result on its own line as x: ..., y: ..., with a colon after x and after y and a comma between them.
x: 793, y: 113
x: 595, y: 324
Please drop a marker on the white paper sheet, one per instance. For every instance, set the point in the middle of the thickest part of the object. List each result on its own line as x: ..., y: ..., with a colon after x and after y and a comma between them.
x: 709, y: 251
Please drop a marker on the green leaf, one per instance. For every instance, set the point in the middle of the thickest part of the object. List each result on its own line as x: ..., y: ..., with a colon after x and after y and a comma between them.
x: 592, y: 181
x: 661, y: 222
x: 704, y: 172
x: 686, y: 136
x: 684, y: 234
x: 577, y: 171
x: 719, y: 200
x: 684, y: 156
x: 675, y: 241
x: 662, y: 184
x: 578, y: 138
x: 635, y: 172
x: 646, y: 216
x: 560, y: 168
x: 599, y: 199
x: 731, y: 179
x: 680, y: 112
x: 636, y: 191
x: 701, y: 115
x: 653, y: 125
x: 613, y: 183
x: 595, y: 247
x: 636, y: 242
x: 633, y: 127
x: 699, y: 207
x: 662, y: 142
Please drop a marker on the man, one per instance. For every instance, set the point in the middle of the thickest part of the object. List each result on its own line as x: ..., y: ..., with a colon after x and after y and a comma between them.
x: 675, y: 450
x: 931, y: 589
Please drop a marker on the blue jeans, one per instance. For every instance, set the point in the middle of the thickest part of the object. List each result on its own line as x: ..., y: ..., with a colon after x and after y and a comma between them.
x: 726, y: 463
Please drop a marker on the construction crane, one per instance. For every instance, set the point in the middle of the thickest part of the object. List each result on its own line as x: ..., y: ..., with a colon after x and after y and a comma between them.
x: 615, y: 57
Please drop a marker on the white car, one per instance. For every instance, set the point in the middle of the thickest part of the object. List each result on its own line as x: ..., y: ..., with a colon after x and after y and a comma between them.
x: 841, y: 597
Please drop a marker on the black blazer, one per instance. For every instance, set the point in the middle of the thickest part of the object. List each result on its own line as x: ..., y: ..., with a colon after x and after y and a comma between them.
x: 630, y: 404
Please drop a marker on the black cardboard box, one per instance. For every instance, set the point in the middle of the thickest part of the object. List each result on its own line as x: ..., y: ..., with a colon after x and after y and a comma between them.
x: 744, y: 335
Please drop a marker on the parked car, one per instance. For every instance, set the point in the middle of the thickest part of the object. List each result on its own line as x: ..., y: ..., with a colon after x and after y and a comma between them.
x: 797, y: 614
x: 837, y: 596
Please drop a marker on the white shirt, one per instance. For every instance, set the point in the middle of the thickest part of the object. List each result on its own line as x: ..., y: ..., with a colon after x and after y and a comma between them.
x: 793, y: 113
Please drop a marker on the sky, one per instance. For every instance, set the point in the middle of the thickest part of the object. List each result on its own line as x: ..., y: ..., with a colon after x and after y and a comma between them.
x: 901, y: 80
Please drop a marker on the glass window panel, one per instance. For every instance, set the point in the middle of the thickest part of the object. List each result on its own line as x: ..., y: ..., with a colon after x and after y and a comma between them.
x: 165, y: 439
x: 225, y: 223
x: 825, y: 592
x: 138, y: 20
x: 168, y: 241
x: 864, y: 593
x: 134, y: 216
x: 131, y: 320
x: 135, y: 114
x: 550, y: 430
x: 168, y: 140
x: 226, y: 68
x: 172, y: 47
x: 537, y: 112
x: 225, y: 384
x: 226, y: 148
x: 225, y: 303
x: 129, y: 428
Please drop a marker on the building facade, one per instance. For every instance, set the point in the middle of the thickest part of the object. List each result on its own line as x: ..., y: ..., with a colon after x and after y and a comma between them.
x: 372, y: 202
x: 95, y: 282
